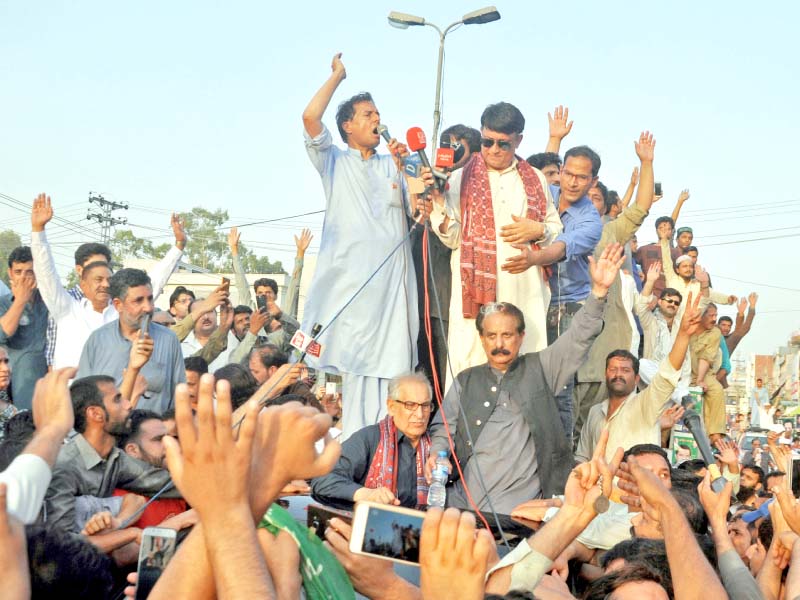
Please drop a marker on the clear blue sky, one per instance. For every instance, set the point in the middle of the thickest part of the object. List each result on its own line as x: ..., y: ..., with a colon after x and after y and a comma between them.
x: 169, y: 105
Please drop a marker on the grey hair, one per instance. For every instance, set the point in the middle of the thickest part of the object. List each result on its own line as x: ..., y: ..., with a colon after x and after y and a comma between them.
x: 491, y: 308
x: 709, y: 307
x: 397, y: 382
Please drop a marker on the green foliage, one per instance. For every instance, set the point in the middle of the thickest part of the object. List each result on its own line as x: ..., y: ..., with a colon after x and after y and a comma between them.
x: 207, y: 245
x: 8, y: 241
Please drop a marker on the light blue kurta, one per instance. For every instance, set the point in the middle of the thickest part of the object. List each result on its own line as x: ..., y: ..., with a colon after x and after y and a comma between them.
x: 365, y: 219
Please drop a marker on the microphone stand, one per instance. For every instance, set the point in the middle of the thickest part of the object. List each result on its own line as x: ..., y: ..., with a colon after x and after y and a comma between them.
x: 694, y: 424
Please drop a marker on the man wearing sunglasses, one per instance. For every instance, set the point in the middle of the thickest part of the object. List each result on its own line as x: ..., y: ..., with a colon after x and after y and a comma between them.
x: 494, y: 207
x: 659, y: 333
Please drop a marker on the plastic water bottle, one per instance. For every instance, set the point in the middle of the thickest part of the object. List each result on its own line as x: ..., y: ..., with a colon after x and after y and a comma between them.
x: 437, y: 494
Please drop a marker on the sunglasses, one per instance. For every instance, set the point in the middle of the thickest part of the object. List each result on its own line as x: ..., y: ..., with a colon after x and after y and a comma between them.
x: 502, y: 144
x: 673, y: 302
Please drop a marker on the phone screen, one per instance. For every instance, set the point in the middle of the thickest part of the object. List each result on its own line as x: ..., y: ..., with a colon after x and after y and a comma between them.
x: 261, y: 302
x: 158, y: 546
x: 390, y: 533
x: 658, y: 188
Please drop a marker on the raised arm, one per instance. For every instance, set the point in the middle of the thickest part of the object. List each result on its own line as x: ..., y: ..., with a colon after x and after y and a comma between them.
x: 645, y: 150
x: 293, y: 291
x: 684, y: 196
x: 242, y: 288
x: 743, y: 324
x: 56, y: 298
x: 312, y: 115
x: 563, y: 357
x: 626, y: 199
x: 560, y: 126
x: 163, y: 269
x: 141, y: 350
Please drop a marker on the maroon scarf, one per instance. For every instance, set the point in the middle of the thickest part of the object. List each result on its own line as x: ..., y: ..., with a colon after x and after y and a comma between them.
x: 478, y: 247
x: 383, y: 469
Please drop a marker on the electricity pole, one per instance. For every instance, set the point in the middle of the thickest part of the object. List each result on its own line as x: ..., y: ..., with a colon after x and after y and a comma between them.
x: 104, y: 216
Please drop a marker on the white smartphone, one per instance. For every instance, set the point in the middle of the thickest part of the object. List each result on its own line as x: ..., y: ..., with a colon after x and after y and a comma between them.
x: 331, y: 388
x: 388, y: 532
x: 158, y: 546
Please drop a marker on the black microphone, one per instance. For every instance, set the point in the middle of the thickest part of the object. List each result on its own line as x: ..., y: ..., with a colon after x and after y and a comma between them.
x: 694, y: 424
x: 383, y: 130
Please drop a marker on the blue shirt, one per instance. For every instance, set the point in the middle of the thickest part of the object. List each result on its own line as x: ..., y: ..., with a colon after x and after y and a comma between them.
x: 26, y: 348
x: 726, y: 356
x: 570, y: 280
x: 107, y: 352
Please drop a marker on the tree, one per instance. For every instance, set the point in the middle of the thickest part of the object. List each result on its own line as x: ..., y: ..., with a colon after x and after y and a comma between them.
x: 207, y: 245
x: 8, y: 241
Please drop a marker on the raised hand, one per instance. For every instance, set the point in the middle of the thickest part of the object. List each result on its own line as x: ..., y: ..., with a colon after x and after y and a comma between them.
x: 337, y: 67
x: 671, y: 416
x: 52, y: 404
x: 591, y: 480
x: 654, y: 271
x: 684, y: 196
x: 645, y: 147
x: 284, y: 450
x: 752, y: 299
x: 728, y: 452
x: 13, y: 553
x: 226, y: 315
x: 233, y: 240
x: 210, y: 466
x: 690, y: 323
x: 141, y: 351
x: 258, y: 320
x: 715, y: 505
x: 521, y: 230
x: 781, y: 454
x: 559, y: 122
x: 178, y: 230
x: 41, y: 212
x: 604, y: 270
x: 740, y: 308
x: 635, y: 176
x: 303, y: 241
x: 453, y: 556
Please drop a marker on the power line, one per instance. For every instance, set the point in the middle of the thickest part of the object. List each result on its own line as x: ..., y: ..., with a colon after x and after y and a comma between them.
x: 774, y: 237
x: 767, y: 285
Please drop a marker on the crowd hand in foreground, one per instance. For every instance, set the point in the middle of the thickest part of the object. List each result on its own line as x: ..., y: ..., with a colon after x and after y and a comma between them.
x: 14, y: 575
x: 243, y: 470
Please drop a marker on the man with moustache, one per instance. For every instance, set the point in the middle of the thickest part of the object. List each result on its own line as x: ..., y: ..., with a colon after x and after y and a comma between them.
x: 511, y: 399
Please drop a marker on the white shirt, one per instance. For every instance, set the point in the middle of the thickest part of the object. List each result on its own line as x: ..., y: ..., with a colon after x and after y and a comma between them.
x: 77, y: 319
x: 27, y: 479
x: 191, y: 345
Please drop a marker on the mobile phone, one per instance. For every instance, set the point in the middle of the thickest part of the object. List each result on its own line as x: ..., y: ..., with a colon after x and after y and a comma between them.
x: 388, y: 532
x: 793, y: 475
x: 319, y: 516
x: 226, y: 283
x: 261, y: 303
x: 144, y: 325
x: 331, y: 388
x: 158, y: 546
x: 658, y: 188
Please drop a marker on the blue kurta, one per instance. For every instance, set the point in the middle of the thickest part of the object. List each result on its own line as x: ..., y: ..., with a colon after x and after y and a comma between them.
x: 376, y: 334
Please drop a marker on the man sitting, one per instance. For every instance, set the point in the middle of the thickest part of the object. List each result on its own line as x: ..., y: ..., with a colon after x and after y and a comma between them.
x: 385, y: 462
x: 515, y: 442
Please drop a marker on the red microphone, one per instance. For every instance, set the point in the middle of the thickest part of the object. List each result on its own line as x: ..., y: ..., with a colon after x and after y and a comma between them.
x: 416, y: 140
x: 445, y: 158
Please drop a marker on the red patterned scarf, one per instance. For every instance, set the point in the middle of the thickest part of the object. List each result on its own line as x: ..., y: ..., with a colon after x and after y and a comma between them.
x: 383, y: 469
x: 478, y: 247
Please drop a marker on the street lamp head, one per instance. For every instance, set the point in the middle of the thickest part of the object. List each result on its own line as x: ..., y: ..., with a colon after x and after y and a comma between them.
x: 481, y: 16
x: 403, y: 20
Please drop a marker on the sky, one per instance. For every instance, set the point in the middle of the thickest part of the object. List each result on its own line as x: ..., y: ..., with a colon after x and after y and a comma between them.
x: 170, y: 105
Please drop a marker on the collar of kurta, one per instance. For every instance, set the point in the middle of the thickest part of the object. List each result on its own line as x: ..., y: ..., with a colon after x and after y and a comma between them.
x: 89, y: 455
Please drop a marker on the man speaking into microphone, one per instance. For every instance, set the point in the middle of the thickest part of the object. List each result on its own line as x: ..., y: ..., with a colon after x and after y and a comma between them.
x: 374, y: 338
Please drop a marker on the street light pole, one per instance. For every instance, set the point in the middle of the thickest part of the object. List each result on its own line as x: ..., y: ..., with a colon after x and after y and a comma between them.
x: 477, y: 17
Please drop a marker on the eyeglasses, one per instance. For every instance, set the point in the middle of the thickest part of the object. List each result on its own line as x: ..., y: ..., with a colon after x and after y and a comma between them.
x: 502, y: 144
x: 584, y: 179
x: 413, y: 406
x: 673, y: 302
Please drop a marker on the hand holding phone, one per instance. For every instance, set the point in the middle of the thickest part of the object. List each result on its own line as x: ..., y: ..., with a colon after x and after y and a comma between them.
x: 156, y: 550
x: 387, y: 532
x: 144, y: 325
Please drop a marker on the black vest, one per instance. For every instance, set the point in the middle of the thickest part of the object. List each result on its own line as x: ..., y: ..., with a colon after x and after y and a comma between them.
x: 525, y: 381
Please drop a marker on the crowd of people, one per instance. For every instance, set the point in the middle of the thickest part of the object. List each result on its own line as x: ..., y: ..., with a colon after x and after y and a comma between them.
x: 498, y: 312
